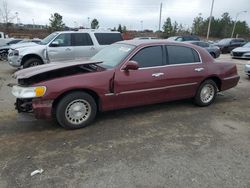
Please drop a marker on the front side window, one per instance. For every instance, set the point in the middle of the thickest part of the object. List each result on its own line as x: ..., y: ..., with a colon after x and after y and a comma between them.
x: 149, y: 57
x: 81, y: 39
x: 108, y: 38
x: 63, y: 40
x: 181, y: 55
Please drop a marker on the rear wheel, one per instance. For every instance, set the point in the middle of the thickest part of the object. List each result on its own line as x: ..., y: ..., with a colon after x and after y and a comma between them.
x: 32, y: 62
x: 206, y: 93
x: 76, y: 110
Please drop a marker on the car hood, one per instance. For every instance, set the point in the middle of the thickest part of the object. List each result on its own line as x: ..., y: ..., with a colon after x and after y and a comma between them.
x: 242, y: 49
x: 5, y: 47
x: 37, y: 70
x: 22, y: 45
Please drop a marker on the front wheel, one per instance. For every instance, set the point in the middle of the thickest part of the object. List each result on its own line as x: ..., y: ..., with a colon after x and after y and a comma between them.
x: 206, y: 93
x: 32, y: 62
x: 76, y: 110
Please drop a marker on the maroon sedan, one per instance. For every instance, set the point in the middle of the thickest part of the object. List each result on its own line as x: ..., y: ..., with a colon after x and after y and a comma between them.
x: 125, y: 74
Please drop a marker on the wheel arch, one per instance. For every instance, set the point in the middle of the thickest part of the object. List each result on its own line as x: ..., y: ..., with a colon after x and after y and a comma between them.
x: 28, y: 56
x: 216, y: 79
x: 89, y: 91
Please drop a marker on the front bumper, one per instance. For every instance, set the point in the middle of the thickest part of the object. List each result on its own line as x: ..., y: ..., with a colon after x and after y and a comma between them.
x: 240, y: 55
x: 42, y: 109
x: 14, y: 61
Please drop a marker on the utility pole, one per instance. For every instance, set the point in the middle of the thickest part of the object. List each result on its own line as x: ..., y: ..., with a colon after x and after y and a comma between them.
x: 141, y: 25
x: 160, y: 18
x: 237, y: 15
x: 210, y: 19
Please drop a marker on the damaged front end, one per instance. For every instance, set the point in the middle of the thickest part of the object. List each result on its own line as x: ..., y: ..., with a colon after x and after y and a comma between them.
x: 24, y: 105
x: 31, y: 96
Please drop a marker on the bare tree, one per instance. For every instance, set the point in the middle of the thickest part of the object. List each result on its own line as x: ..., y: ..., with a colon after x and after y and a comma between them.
x: 6, y: 15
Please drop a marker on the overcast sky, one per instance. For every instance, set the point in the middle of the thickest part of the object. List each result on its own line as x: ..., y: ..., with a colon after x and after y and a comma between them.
x: 126, y: 12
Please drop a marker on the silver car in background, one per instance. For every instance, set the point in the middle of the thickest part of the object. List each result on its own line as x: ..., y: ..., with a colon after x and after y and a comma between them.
x: 247, y: 69
x: 241, y: 52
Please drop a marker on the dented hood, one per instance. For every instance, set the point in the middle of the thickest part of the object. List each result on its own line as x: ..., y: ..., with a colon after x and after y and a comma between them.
x: 32, y: 71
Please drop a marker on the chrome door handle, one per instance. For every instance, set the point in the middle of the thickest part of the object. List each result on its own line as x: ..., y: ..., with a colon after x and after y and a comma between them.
x: 158, y: 74
x: 199, y: 69
x: 92, y: 48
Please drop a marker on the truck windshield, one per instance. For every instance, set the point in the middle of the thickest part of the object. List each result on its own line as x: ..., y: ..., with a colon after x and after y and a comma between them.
x: 48, y: 38
x: 113, y: 55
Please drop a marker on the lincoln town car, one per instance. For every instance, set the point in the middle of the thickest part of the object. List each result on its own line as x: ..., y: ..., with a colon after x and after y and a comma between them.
x: 124, y: 74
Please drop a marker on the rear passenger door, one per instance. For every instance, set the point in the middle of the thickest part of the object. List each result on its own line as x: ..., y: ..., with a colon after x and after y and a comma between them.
x: 82, y: 45
x: 183, y: 73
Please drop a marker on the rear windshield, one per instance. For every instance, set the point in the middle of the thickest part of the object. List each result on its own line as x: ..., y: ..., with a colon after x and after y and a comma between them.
x: 108, y: 38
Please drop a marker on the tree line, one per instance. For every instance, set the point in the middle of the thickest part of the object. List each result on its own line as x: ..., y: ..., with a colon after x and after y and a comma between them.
x: 220, y: 27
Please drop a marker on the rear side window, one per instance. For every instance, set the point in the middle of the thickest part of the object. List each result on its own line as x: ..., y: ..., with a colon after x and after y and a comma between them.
x: 108, y: 38
x: 181, y: 55
x: 81, y: 39
x: 149, y: 57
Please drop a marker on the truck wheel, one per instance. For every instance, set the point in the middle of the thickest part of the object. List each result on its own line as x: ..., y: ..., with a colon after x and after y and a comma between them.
x: 32, y: 62
x: 213, y: 55
x: 206, y: 93
x: 76, y: 110
x: 3, y: 56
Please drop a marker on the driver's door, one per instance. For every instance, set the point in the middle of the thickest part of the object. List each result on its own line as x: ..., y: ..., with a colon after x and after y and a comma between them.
x: 60, y: 49
x: 142, y: 86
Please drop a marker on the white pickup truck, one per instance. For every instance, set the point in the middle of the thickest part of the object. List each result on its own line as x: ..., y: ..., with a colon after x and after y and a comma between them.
x: 4, y: 39
x: 63, y: 46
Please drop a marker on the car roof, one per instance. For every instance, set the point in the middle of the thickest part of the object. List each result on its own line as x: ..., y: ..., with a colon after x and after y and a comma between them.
x: 152, y: 42
x: 88, y: 31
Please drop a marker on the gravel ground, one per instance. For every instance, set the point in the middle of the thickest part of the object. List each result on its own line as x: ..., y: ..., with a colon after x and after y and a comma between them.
x: 172, y: 144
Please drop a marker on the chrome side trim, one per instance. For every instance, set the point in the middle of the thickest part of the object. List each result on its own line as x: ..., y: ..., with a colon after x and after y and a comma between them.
x: 231, y: 77
x: 172, y: 65
x: 157, y: 88
x: 109, y: 94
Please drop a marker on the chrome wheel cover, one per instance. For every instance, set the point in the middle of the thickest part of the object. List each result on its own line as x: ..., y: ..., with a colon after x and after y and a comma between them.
x: 207, y: 93
x: 78, y: 111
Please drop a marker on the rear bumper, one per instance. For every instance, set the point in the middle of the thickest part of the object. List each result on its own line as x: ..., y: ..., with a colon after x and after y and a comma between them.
x: 42, y: 109
x: 229, y: 82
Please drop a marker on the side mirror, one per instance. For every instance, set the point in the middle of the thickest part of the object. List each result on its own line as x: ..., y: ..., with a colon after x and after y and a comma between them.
x: 54, y: 44
x: 131, y: 65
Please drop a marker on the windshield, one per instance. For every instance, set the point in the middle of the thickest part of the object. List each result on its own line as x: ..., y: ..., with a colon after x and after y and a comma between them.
x: 247, y: 45
x: 48, y: 38
x: 224, y: 41
x: 113, y: 55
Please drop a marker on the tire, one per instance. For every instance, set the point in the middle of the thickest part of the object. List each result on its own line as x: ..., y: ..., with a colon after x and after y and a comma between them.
x: 76, y: 110
x: 206, y: 93
x: 3, y: 56
x: 213, y: 55
x: 32, y: 62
